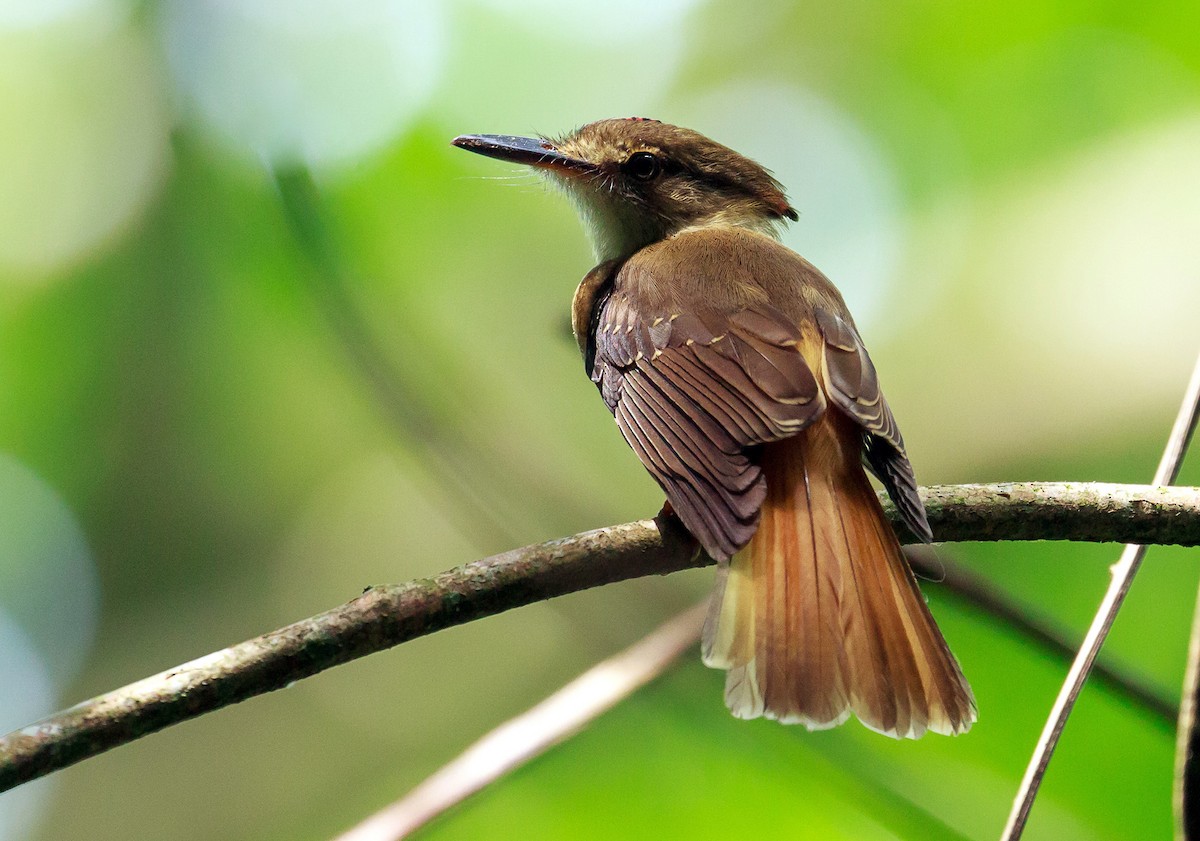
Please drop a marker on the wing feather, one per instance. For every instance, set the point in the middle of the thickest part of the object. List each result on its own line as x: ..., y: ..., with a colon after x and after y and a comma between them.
x: 853, y: 386
x: 694, y: 394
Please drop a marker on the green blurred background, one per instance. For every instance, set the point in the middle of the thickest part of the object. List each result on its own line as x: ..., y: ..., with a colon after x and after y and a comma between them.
x: 212, y: 424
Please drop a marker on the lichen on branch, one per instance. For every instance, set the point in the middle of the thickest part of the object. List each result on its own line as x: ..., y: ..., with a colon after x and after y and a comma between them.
x: 392, y: 614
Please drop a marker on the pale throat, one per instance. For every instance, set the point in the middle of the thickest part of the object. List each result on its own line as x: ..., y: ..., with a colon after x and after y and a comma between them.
x: 614, y: 229
x: 617, y: 229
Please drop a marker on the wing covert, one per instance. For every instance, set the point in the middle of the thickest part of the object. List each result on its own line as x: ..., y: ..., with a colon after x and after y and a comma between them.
x: 853, y: 386
x: 693, y: 393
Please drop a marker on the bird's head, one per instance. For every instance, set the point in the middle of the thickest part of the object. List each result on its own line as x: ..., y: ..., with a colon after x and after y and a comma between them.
x: 637, y: 181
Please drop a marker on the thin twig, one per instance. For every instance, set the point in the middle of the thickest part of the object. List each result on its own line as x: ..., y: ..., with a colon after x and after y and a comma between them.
x: 386, y: 616
x: 1185, y: 793
x: 533, y: 732
x: 961, y: 583
x: 536, y: 730
x: 1122, y: 578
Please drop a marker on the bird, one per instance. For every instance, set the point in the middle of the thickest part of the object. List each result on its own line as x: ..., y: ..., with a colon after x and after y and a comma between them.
x: 735, y: 372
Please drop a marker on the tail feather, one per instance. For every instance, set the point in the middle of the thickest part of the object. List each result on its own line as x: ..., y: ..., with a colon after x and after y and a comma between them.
x: 820, y: 616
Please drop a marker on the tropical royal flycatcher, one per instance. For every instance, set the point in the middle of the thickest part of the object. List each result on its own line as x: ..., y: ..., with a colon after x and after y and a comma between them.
x: 735, y: 372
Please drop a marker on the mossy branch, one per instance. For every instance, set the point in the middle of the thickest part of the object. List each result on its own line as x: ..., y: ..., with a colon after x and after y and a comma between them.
x: 392, y: 614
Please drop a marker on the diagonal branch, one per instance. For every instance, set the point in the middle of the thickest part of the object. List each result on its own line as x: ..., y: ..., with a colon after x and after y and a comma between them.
x: 974, y: 591
x: 389, y: 615
x: 1123, y: 572
x: 530, y: 734
x: 568, y: 710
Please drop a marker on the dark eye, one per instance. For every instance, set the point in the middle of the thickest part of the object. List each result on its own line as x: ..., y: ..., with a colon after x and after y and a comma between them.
x: 643, y: 166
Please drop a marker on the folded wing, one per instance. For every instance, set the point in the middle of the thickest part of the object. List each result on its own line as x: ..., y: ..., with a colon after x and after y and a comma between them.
x: 694, y: 393
x: 852, y: 386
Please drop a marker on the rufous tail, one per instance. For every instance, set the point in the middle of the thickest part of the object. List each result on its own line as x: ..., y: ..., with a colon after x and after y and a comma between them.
x: 820, y: 616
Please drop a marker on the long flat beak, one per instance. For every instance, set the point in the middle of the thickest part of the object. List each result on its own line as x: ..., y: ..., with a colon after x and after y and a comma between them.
x: 523, y: 150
